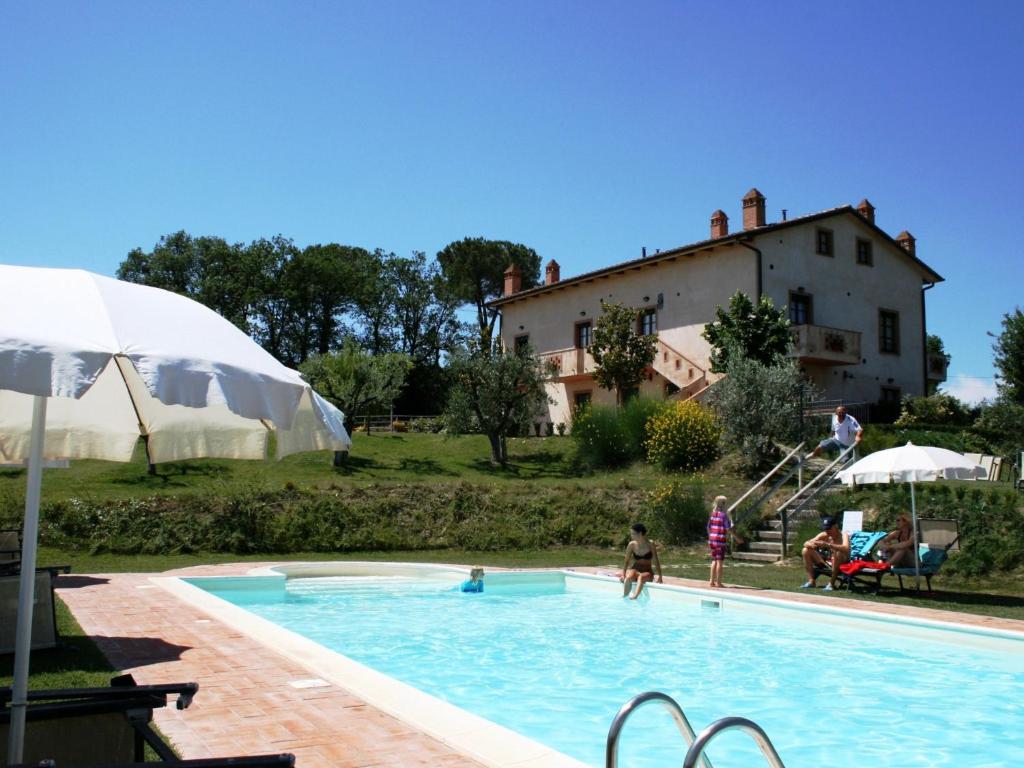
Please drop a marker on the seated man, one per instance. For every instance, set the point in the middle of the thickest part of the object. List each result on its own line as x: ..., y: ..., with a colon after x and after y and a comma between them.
x: 830, y: 548
x: 846, y: 431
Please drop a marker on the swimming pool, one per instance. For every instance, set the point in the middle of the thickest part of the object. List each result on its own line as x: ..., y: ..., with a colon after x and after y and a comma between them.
x: 553, y: 656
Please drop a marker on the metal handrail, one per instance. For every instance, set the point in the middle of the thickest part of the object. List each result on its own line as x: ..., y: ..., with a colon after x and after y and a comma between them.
x: 764, y: 479
x: 696, y: 751
x: 781, y: 509
x: 611, y: 752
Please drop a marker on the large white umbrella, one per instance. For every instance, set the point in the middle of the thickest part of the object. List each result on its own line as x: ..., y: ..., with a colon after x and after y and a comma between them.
x: 89, y: 363
x: 911, y: 464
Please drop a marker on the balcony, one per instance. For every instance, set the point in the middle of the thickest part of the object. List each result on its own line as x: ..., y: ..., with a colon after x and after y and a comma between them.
x: 828, y: 346
x: 937, y: 367
x: 567, y: 364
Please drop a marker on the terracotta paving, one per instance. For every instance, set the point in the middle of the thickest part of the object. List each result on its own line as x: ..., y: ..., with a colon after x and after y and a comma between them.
x: 246, y: 704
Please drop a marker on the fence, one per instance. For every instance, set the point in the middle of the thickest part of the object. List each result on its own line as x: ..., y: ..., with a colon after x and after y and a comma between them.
x: 394, y: 422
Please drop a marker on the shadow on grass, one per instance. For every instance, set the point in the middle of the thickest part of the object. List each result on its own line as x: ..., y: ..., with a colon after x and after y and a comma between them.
x: 423, y: 467
x: 966, y: 598
x: 355, y: 464
x: 170, y: 475
x: 542, y: 464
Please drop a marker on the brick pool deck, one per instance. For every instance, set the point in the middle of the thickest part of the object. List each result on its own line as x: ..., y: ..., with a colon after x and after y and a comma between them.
x: 246, y: 702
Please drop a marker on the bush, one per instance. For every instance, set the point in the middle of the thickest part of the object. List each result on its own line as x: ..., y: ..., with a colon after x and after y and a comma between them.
x: 433, y: 424
x: 683, y: 436
x: 600, y: 437
x: 758, y: 406
x: 635, y: 416
x: 935, y: 409
x: 677, y: 514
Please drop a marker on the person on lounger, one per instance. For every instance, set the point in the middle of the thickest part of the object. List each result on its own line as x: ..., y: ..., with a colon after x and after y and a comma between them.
x: 897, y: 548
x: 829, y: 549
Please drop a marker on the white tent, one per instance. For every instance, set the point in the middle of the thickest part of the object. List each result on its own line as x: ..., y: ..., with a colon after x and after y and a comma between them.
x: 911, y: 464
x: 89, y: 363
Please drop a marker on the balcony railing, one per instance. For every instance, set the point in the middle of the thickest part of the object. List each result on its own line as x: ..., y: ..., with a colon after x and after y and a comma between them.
x: 821, y: 344
x: 566, y: 363
x: 937, y: 365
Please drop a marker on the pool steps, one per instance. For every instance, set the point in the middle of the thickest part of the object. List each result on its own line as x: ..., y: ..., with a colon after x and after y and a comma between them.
x: 696, y: 745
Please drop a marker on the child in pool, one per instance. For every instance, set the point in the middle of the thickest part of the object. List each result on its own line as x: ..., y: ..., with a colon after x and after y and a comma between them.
x: 475, y: 582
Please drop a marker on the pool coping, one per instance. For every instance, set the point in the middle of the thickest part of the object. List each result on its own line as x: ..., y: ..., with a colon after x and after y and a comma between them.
x: 471, y: 735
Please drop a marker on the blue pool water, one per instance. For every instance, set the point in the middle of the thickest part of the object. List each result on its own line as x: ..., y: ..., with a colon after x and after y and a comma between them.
x: 555, y: 658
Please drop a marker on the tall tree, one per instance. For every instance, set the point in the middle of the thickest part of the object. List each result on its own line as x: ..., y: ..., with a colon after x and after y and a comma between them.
x: 757, y: 331
x: 273, y: 306
x: 1009, y: 357
x: 474, y: 269
x: 494, y: 391
x: 620, y: 352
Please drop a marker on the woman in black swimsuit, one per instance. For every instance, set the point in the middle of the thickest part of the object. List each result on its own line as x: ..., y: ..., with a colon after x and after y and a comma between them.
x: 641, y: 555
x: 897, y: 546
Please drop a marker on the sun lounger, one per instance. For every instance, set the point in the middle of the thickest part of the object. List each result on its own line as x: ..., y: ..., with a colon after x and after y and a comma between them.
x: 939, y: 538
x: 109, y: 727
x: 862, y: 544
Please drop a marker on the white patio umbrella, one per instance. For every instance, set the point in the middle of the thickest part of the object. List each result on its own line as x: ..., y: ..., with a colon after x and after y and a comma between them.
x: 89, y: 363
x: 911, y: 464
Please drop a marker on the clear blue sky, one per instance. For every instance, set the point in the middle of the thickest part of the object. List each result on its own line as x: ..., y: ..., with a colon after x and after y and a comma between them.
x: 583, y: 129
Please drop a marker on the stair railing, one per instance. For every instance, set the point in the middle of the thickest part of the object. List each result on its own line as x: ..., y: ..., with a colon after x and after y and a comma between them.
x: 696, y: 750
x: 816, y: 483
x: 778, y: 484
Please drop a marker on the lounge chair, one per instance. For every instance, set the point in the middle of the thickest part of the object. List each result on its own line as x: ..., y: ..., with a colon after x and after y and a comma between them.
x: 108, y: 727
x: 938, y: 539
x: 862, y: 544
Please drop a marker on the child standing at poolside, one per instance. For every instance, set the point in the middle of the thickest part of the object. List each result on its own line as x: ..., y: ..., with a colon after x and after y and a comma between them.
x: 475, y: 582
x: 719, y: 525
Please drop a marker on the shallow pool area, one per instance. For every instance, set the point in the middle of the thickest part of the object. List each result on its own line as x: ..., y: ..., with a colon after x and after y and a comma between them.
x: 553, y: 656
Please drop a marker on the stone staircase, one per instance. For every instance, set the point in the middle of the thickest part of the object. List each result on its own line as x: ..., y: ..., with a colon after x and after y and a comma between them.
x: 766, y: 544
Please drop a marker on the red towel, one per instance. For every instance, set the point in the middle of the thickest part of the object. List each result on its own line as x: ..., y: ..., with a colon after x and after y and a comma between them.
x: 856, y: 566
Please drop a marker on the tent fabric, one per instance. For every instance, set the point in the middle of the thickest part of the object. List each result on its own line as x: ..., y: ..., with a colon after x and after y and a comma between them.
x: 118, y: 360
x: 910, y: 463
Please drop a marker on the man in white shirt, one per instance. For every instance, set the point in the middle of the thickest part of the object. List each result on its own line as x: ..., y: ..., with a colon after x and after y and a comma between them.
x: 846, y: 431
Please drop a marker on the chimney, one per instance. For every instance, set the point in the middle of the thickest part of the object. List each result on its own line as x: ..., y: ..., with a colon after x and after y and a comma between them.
x: 513, y: 280
x: 753, y: 209
x: 907, y: 242
x: 719, y: 224
x: 867, y: 210
x: 552, y: 273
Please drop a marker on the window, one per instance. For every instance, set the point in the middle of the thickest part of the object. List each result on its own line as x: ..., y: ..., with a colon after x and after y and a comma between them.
x: 865, y: 254
x: 888, y: 332
x: 800, y: 305
x: 823, y: 242
x: 581, y: 400
x: 522, y: 342
x: 583, y: 331
x: 890, y: 396
x: 648, y: 325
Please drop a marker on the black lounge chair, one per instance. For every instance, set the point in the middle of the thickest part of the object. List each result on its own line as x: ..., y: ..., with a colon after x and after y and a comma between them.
x: 108, y: 727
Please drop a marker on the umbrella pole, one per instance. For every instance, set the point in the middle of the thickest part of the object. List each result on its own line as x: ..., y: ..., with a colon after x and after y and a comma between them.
x: 917, y: 560
x: 30, y: 536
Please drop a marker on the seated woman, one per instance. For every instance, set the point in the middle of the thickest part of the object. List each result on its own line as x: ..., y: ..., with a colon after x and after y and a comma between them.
x: 829, y: 549
x: 897, y: 547
x: 643, y: 554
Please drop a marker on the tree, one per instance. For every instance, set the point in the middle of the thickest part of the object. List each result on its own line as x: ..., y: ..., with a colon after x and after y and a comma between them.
x: 758, y: 332
x: 494, y: 391
x: 620, y: 353
x: 474, y: 269
x: 354, y: 380
x: 758, y: 405
x: 934, y: 346
x: 1009, y: 357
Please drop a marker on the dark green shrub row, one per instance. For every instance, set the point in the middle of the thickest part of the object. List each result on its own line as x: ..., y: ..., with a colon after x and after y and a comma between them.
x: 372, y: 518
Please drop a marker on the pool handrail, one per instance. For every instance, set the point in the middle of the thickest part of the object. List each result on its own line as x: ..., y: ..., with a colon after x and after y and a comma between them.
x: 611, y: 752
x: 696, y: 750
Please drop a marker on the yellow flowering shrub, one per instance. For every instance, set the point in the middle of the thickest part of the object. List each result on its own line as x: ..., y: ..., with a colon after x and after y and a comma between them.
x: 683, y: 436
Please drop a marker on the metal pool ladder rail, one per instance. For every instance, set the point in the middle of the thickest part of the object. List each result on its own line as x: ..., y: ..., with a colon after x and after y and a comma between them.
x: 697, y: 744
